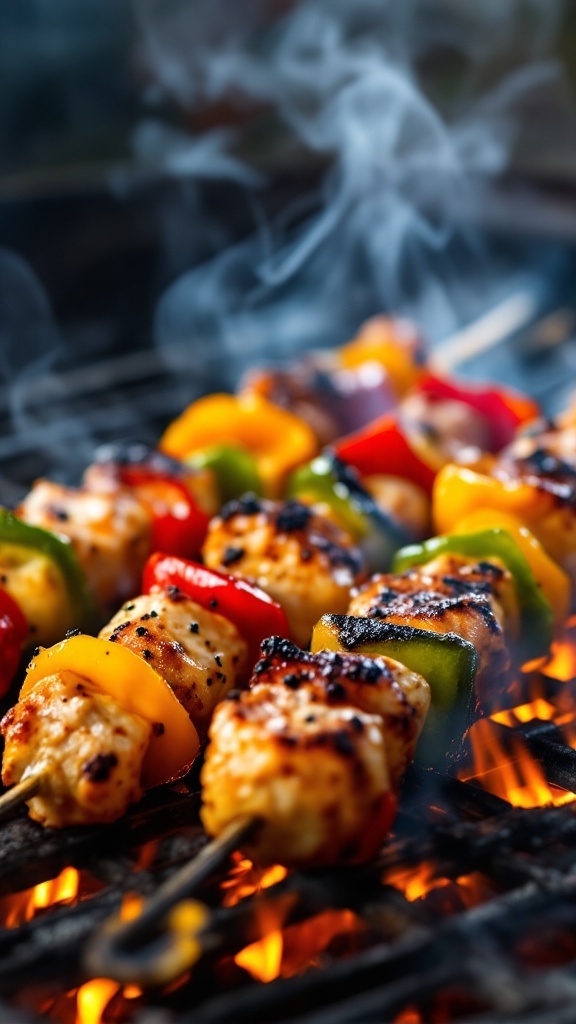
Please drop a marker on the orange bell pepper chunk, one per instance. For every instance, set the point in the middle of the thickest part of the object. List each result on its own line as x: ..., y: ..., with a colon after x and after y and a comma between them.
x: 277, y: 439
x: 392, y: 343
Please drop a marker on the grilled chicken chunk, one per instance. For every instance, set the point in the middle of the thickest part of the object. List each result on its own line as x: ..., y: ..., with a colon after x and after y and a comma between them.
x: 110, y: 533
x: 316, y: 775
x: 378, y: 686
x: 476, y: 600
x: 302, y: 559
x: 200, y: 654
x: 86, y: 747
x: 315, y: 750
x: 39, y: 589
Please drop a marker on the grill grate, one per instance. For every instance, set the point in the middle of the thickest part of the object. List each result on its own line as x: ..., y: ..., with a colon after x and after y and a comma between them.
x: 473, y: 964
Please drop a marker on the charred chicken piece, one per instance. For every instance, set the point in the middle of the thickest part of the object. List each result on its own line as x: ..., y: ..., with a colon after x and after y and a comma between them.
x: 317, y: 776
x: 88, y: 749
x: 110, y: 533
x: 301, y: 558
x: 314, y: 750
x: 200, y: 654
x: 451, y: 594
x: 546, y: 463
x: 377, y: 686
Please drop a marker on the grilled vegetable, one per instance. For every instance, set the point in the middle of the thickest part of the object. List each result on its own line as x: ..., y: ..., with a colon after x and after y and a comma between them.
x: 447, y: 662
x: 383, y: 448
x: 251, y: 610
x: 555, y: 584
x: 234, y: 467
x: 391, y: 343
x: 537, y: 620
x: 276, y: 439
x: 40, y: 571
x: 130, y: 681
x: 542, y: 502
x: 502, y: 409
x: 178, y: 525
x: 13, y: 635
x: 336, y: 488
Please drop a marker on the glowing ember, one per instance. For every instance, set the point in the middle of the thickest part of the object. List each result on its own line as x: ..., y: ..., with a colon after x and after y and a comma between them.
x: 131, y: 906
x: 408, y: 1016
x: 512, y: 774
x: 245, y: 879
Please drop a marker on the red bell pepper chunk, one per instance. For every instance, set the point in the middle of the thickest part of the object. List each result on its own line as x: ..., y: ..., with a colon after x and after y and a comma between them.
x: 178, y: 525
x: 382, y: 447
x: 503, y: 409
x: 13, y: 634
x: 251, y: 610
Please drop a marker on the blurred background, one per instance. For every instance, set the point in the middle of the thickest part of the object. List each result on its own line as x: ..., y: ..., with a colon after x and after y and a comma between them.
x: 188, y: 187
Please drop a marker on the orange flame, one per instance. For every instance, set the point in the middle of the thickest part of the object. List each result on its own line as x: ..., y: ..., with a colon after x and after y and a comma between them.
x: 297, y: 947
x: 262, y: 959
x: 512, y: 774
x: 414, y: 882
x: 245, y: 879
x: 93, y: 998
x: 562, y: 661
x: 23, y: 906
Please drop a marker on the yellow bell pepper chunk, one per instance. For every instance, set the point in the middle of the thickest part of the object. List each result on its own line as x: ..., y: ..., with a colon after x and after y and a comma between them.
x: 121, y: 674
x: 392, y: 344
x: 554, y: 583
x: 460, y: 490
x: 277, y: 439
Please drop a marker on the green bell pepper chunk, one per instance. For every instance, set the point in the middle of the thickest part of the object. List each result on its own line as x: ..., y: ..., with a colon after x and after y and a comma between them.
x: 536, y: 615
x: 446, y: 661
x: 14, y: 533
x: 235, y: 469
x: 330, y: 481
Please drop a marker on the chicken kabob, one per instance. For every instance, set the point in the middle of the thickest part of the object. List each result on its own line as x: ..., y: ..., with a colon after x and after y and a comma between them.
x: 99, y: 719
x: 304, y: 767
x: 70, y: 555
x: 460, y: 610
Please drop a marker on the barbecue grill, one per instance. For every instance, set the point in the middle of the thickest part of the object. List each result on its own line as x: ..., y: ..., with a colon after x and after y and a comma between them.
x: 469, y: 912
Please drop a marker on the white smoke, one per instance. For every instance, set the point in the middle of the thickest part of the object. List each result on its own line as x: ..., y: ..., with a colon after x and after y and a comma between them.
x: 347, y: 82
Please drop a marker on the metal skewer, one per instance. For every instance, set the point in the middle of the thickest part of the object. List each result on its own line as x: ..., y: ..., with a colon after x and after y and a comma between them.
x: 163, y: 940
